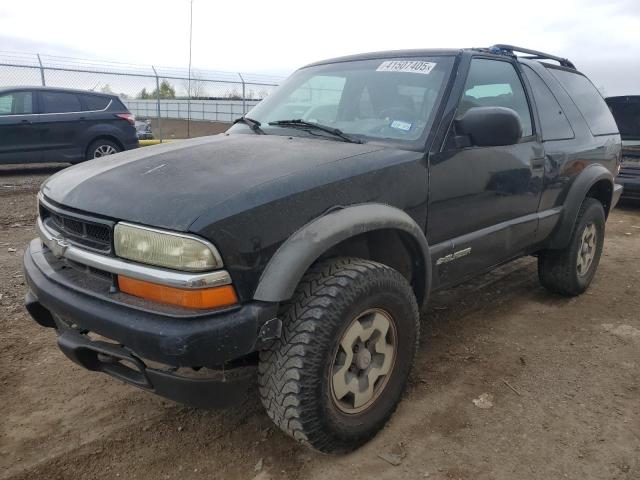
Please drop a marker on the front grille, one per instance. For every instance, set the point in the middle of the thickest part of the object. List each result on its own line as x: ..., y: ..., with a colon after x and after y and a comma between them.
x: 630, y: 170
x: 99, y: 232
x: 78, y: 230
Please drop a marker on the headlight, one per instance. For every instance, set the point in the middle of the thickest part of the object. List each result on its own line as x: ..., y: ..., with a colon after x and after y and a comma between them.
x: 165, y: 249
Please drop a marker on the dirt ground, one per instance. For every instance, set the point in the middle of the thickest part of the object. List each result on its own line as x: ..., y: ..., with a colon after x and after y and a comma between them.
x: 564, y: 376
x: 176, y: 128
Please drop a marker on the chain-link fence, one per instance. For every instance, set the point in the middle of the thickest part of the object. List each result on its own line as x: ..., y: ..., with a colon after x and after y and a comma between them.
x: 177, y: 103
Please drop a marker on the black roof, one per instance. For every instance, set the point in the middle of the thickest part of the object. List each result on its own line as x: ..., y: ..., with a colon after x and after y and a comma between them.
x: 497, y: 50
x: 391, y: 53
x: 624, y: 98
x: 56, y: 89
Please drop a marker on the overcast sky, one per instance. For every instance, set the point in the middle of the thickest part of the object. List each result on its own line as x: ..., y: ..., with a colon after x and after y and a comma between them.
x: 275, y: 37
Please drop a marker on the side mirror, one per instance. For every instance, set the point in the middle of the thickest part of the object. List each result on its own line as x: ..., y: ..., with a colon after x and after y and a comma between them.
x: 490, y: 126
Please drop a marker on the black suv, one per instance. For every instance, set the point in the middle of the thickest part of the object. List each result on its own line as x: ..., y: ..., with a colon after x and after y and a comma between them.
x: 626, y: 111
x: 305, y: 241
x: 43, y: 124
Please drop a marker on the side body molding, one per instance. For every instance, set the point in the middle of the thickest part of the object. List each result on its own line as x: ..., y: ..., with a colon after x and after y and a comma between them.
x: 287, y: 266
x: 573, y: 200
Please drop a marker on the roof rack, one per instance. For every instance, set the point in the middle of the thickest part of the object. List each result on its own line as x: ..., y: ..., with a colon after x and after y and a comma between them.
x: 533, y: 54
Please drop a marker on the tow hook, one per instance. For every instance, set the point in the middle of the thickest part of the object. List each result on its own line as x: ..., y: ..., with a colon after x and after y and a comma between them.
x: 104, y: 358
x: 270, y: 330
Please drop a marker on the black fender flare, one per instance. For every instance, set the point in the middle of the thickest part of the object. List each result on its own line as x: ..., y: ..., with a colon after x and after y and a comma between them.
x: 586, y: 179
x: 294, y: 257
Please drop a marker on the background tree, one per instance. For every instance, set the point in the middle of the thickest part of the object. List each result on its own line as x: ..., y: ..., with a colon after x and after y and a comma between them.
x: 166, y: 91
x: 233, y: 94
x: 198, y: 87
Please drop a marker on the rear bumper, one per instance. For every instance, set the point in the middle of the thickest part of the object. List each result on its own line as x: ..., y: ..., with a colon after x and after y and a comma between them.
x: 141, y: 337
x: 131, y: 145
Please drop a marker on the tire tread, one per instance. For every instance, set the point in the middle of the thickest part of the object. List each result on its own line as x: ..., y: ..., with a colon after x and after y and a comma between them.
x: 282, y: 367
x: 556, y: 269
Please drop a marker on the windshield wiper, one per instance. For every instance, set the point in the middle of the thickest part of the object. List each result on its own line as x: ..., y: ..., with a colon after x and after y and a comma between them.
x: 253, y: 124
x: 298, y: 122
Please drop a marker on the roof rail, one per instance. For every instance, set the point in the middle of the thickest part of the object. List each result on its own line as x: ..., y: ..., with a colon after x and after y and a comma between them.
x: 534, y: 54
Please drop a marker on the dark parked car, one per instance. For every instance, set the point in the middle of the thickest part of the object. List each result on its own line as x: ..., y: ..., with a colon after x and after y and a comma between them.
x: 143, y: 130
x: 42, y: 124
x: 298, y: 249
x: 626, y: 111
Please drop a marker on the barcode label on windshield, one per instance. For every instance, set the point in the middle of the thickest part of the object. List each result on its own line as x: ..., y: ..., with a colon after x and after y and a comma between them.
x: 412, y: 66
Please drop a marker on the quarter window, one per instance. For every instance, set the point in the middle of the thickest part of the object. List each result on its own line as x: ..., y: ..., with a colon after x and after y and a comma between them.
x: 16, y: 103
x: 494, y: 83
x: 555, y: 125
x: 588, y: 100
x: 60, y: 102
x: 94, y: 102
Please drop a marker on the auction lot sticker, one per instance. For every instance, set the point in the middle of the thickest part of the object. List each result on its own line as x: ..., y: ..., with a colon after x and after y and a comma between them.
x: 406, y: 66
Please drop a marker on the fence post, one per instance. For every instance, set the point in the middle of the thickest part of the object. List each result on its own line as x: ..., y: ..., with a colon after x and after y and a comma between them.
x: 244, y: 101
x: 41, y: 70
x: 158, y: 101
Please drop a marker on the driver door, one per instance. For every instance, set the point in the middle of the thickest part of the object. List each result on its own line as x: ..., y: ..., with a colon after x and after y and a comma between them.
x: 19, y: 138
x: 483, y: 200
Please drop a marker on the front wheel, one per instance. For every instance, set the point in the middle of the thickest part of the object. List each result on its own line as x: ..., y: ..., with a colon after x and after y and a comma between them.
x: 570, y: 271
x: 338, y: 372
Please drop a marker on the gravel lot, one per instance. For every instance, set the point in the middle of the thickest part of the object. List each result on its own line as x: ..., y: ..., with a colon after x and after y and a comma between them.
x: 563, y: 376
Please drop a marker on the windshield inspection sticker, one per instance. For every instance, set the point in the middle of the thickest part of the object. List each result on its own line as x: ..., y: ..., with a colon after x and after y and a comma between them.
x: 411, y: 66
x: 406, y: 126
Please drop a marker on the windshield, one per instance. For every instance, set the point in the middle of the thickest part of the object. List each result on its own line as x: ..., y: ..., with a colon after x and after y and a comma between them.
x: 383, y: 99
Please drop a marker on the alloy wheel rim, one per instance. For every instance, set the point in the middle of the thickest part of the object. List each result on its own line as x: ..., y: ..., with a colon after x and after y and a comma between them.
x: 103, y: 150
x: 364, y: 360
x: 587, y: 249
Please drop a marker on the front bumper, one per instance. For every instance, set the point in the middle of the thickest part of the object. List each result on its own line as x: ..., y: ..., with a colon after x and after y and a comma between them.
x: 618, y: 190
x: 142, y: 335
x: 629, y: 178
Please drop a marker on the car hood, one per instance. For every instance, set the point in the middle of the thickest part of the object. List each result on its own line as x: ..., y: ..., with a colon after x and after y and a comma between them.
x: 171, y: 185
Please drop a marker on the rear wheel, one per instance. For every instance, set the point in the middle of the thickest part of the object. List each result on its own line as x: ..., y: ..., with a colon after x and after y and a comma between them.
x: 102, y: 148
x: 570, y: 271
x: 348, y: 342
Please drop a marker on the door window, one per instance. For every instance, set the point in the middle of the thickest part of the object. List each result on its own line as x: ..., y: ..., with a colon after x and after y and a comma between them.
x: 16, y: 103
x: 60, y: 102
x: 494, y: 83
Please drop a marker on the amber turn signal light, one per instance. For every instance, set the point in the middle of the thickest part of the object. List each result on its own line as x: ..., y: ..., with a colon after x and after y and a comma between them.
x: 213, y: 297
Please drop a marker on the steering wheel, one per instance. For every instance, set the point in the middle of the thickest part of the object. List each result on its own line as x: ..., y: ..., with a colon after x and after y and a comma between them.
x: 394, y: 113
x: 398, y: 113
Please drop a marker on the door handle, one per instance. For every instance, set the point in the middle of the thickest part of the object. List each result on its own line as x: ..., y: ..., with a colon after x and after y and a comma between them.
x: 538, y: 162
x: 25, y: 121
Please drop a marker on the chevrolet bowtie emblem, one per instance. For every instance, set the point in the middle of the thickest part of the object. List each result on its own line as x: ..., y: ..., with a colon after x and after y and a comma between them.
x: 58, y: 246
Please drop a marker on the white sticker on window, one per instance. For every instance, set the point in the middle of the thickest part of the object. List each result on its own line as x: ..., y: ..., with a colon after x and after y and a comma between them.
x: 406, y: 126
x: 407, y: 66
